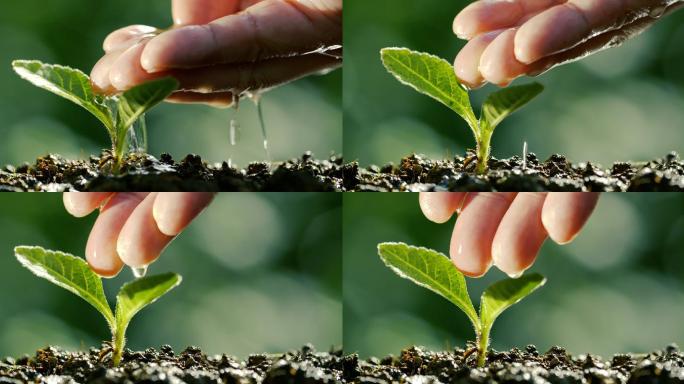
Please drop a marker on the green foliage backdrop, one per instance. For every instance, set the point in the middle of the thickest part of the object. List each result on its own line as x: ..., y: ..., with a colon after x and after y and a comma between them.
x: 622, y: 104
x: 619, y: 287
x: 258, y: 270
x: 305, y: 115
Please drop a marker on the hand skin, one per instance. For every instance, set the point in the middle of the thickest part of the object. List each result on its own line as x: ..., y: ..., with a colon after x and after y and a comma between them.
x: 217, y: 48
x: 511, y: 38
x: 506, y: 229
x: 133, y: 228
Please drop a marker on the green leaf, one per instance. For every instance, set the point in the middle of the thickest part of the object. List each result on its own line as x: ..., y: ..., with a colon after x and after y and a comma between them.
x: 68, y: 83
x: 141, y: 99
x: 501, y: 104
x: 140, y: 293
x: 431, y: 270
x: 69, y: 272
x: 503, y: 294
x: 432, y: 76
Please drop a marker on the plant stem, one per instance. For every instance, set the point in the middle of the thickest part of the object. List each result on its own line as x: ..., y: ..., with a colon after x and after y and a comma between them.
x: 484, y: 149
x: 482, y: 345
x: 118, y: 342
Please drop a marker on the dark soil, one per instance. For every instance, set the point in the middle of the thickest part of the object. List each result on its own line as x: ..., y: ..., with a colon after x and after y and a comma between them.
x: 414, y: 365
x: 53, y: 366
x: 416, y: 173
x: 142, y: 172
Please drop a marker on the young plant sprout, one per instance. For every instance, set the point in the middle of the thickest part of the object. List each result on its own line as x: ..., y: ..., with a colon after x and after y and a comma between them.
x: 117, y: 113
x: 435, y: 77
x: 73, y: 274
x: 434, y: 271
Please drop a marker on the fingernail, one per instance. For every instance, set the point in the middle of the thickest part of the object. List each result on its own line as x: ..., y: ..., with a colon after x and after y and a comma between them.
x: 103, y: 263
x: 467, y: 264
x: 503, y: 263
x: 117, y: 80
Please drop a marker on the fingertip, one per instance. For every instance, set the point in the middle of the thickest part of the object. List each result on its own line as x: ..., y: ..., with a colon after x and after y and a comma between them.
x: 523, y: 45
x: 81, y: 204
x: 124, y: 37
x: 160, y: 53
x: 439, y: 207
x: 106, y: 273
x: 99, y: 75
x: 165, y: 216
x: 498, y: 64
x: 73, y: 205
x: 126, y: 71
x: 174, y: 211
x: 565, y: 214
x: 463, y: 26
x: 505, y: 261
x: 552, y: 31
x: 101, y: 256
x: 468, y: 260
x: 557, y: 230
x: 140, y: 242
x: 467, y: 62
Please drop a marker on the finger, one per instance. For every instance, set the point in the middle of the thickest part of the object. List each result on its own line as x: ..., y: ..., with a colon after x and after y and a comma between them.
x: 471, y: 241
x: 566, y: 25
x: 99, y: 76
x: 485, y: 16
x: 598, y: 43
x: 564, y: 214
x: 215, y: 99
x: 467, y: 63
x: 81, y: 204
x: 256, y: 76
x: 189, y: 12
x: 440, y: 206
x: 173, y: 211
x: 141, y: 242
x: 520, y: 234
x: 101, y: 251
x: 271, y: 28
x: 498, y: 64
x: 126, y: 71
x: 127, y: 36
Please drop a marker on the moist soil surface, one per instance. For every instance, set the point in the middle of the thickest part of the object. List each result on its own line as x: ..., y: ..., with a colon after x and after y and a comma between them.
x: 142, y: 172
x: 414, y: 365
x: 417, y: 173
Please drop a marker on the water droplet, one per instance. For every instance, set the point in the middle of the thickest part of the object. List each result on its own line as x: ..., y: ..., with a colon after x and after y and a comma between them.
x: 256, y: 98
x: 139, y: 272
x: 658, y: 11
x: 233, y: 136
x: 234, y: 128
x: 524, y: 158
x: 137, y: 135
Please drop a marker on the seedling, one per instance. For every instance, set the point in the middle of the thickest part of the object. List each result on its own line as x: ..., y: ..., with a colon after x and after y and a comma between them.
x: 117, y: 113
x: 73, y: 274
x: 434, y: 271
x: 435, y: 77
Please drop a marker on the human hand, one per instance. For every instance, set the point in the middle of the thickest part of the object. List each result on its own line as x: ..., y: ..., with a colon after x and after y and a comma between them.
x: 133, y: 228
x: 220, y: 48
x: 506, y: 229
x: 511, y: 38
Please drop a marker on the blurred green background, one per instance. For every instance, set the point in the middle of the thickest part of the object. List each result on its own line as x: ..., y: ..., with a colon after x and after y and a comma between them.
x: 302, y: 116
x: 259, y: 270
x: 619, y: 287
x: 622, y: 104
